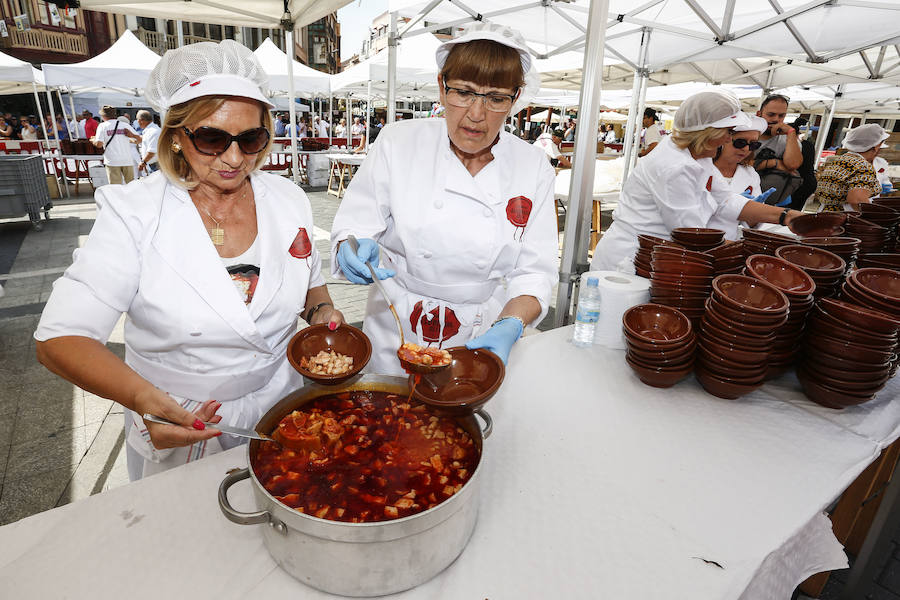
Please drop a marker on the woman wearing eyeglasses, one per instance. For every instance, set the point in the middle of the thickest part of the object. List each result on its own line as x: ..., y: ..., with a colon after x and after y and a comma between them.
x: 461, y: 210
x: 211, y: 261
x: 677, y: 185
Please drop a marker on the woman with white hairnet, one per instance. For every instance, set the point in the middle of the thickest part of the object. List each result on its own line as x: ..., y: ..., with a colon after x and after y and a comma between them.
x: 210, y: 260
x: 850, y: 179
x: 677, y: 185
x: 463, y: 210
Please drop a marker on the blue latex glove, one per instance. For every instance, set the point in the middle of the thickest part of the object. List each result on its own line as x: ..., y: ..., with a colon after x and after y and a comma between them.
x: 785, y: 202
x: 761, y: 198
x: 886, y: 188
x: 354, y: 265
x: 499, y: 339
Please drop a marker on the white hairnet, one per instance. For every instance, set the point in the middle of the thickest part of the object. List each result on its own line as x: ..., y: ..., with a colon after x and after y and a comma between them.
x: 206, y: 69
x: 755, y: 124
x: 710, y: 108
x: 484, y: 30
x: 864, y: 137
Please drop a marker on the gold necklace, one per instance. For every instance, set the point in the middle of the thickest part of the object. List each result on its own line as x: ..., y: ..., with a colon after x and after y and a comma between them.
x: 217, y: 233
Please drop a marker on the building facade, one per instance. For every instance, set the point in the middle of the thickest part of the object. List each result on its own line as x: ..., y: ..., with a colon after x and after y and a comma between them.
x: 36, y: 32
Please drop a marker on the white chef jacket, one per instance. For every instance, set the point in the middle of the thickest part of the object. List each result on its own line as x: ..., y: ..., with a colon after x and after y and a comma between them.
x: 652, y: 135
x: 881, y: 170
x: 449, y: 235
x: 150, y: 142
x: 188, y: 331
x: 745, y: 179
x: 667, y: 189
x: 545, y: 142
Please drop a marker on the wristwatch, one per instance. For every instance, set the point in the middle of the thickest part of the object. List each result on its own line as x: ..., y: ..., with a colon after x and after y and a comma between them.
x: 783, y: 216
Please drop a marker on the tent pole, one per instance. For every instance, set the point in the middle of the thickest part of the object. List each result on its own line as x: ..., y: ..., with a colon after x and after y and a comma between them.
x: 179, y: 31
x: 292, y: 106
x: 349, y: 122
x: 865, y: 115
x: 56, y: 137
x: 72, y: 106
x: 392, y: 71
x: 584, y: 162
x: 40, y: 111
x: 633, y: 117
x: 62, y: 107
x: 826, y: 123
x: 368, y: 126
x: 637, y: 130
x: 330, y: 118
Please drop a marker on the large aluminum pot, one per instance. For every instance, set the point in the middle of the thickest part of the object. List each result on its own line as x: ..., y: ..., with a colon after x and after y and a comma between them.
x: 360, y: 559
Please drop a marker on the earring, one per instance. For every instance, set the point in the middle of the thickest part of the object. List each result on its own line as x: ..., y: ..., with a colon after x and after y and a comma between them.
x: 176, y: 147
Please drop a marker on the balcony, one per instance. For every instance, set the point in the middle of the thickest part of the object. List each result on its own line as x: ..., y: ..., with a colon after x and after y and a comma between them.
x: 160, y: 42
x: 46, y: 40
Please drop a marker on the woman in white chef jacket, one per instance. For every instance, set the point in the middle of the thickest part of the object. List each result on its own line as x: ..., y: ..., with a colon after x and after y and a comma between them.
x: 210, y: 260
x: 677, y: 184
x: 463, y: 210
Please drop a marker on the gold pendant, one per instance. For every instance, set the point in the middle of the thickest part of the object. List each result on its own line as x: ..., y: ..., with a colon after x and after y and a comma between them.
x: 217, y: 234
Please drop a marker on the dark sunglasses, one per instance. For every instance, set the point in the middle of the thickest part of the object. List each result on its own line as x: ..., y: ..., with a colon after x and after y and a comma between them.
x: 212, y: 141
x: 740, y: 143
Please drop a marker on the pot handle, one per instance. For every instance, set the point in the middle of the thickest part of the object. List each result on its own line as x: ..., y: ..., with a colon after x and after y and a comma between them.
x: 488, y: 423
x: 235, y: 516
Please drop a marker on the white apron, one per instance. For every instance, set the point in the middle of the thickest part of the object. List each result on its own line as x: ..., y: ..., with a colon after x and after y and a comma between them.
x: 187, y: 330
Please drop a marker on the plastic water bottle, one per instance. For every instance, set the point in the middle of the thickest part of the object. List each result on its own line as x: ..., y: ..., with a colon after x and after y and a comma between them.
x: 587, y: 314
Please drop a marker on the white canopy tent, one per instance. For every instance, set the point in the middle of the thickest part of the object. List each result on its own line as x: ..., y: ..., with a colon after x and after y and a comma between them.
x: 19, y: 77
x: 243, y: 13
x: 124, y: 65
x: 651, y: 37
x: 308, y: 81
x: 416, y: 70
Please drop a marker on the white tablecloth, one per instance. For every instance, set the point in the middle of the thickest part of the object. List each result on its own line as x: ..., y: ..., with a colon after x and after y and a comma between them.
x: 595, y: 485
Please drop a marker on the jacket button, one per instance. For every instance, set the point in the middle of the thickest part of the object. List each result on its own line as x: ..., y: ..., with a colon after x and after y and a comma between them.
x: 426, y: 254
x: 195, y: 333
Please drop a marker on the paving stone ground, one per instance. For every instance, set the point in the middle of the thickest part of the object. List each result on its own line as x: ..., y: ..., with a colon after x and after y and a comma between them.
x: 59, y: 443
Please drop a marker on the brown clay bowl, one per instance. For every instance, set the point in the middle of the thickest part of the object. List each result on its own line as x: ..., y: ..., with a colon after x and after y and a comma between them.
x: 847, y: 350
x: 658, y: 346
x: 679, y: 353
x: 829, y: 361
x: 727, y: 249
x: 645, y: 273
x: 680, y: 287
x: 854, y: 295
x: 346, y: 339
x: 660, y: 378
x: 884, y: 260
x: 680, y: 279
x: 741, y: 375
x: 819, y: 224
x: 751, y: 341
x: 678, y: 255
x: 858, y: 317
x: 849, y: 380
x: 789, y: 278
x: 832, y: 244
x: 814, y: 261
x: 877, y: 209
x: 723, y: 322
x: 723, y: 387
x: 649, y: 241
x: 668, y: 364
x: 679, y: 301
x: 740, y: 316
x: 828, y: 396
x: 698, y: 236
x: 733, y: 352
x: 766, y: 237
x: 889, y: 201
x: 820, y: 316
x: 816, y: 327
x: 727, y: 359
x: 656, y: 323
x: 682, y: 267
x: 749, y: 295
x: 883, y: 283
x: 470, y: 380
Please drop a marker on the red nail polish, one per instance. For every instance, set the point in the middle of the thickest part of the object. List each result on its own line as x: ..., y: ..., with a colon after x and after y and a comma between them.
x: 218, y: 433
x: 199, y: 425
x: 332, y: 326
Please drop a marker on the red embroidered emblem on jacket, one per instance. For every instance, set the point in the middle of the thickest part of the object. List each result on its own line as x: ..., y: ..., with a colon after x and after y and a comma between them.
x: 518, y: 210
x: 431, y: 323
x: 301, y: 246
x: 709, y: 184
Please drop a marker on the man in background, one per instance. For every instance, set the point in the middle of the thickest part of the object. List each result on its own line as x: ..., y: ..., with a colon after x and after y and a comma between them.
x: 652, y: 132
x: 549, y: 141
x: 149, y: 138
x: 90, y: 124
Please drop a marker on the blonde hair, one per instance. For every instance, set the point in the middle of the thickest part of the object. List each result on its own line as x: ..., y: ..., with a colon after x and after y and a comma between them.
x: 172, y: 163
x: 697, y: 142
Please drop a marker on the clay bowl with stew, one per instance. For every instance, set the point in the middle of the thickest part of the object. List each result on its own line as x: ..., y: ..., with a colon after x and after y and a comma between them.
x: 698, y: 236
x: 828, y: 396
x: 790, y: 279
x: 655, y: 323
x: 346, y: 339
x: 814, y: 261
x: 749, y: 295
x: 470, y: 380
x: 657, y: 376
x: 723, y: 387
x: 820, y: 224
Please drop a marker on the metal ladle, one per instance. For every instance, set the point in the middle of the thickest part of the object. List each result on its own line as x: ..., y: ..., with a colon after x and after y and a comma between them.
x: 409, y: 367
x: 247, y: 433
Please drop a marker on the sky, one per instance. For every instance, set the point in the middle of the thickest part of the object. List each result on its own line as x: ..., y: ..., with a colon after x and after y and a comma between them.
x: 355, y: 19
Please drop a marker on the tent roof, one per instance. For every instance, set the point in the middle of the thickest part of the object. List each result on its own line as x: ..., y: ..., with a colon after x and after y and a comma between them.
x: 306, y: 79
x: 13, y: 70
x: 416, y: 69
x: 244, y: 13
x: 126, y: 64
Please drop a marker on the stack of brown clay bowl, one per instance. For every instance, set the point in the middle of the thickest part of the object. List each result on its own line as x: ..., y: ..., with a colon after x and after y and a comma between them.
x: 737, y: 335
x: 882, y: 260
x: 642, y: 258
x: 763, y: 242
x: 681, y: 279
x: 821, y: 224
x: 845, y: 247
x: 886, y: 216
x: 825, y: 268
x: 847, y: 353
x: 878, y: 289
x: 698, y: 238
x: 661, y: 343
x: 872, y: 237
x: 889, y: 201
x: 727, y: 257
x: 799, y: 287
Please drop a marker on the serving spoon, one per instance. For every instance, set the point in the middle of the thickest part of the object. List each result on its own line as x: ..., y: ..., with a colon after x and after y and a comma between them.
x: 238, y: 431
x: 408, y: 366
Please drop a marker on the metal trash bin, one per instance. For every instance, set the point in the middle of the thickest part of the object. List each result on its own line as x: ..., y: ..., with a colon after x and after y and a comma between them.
x: 23, y: 188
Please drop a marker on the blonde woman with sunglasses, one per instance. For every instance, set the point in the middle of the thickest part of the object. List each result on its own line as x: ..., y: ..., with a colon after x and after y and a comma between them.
x: 211, y: 261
